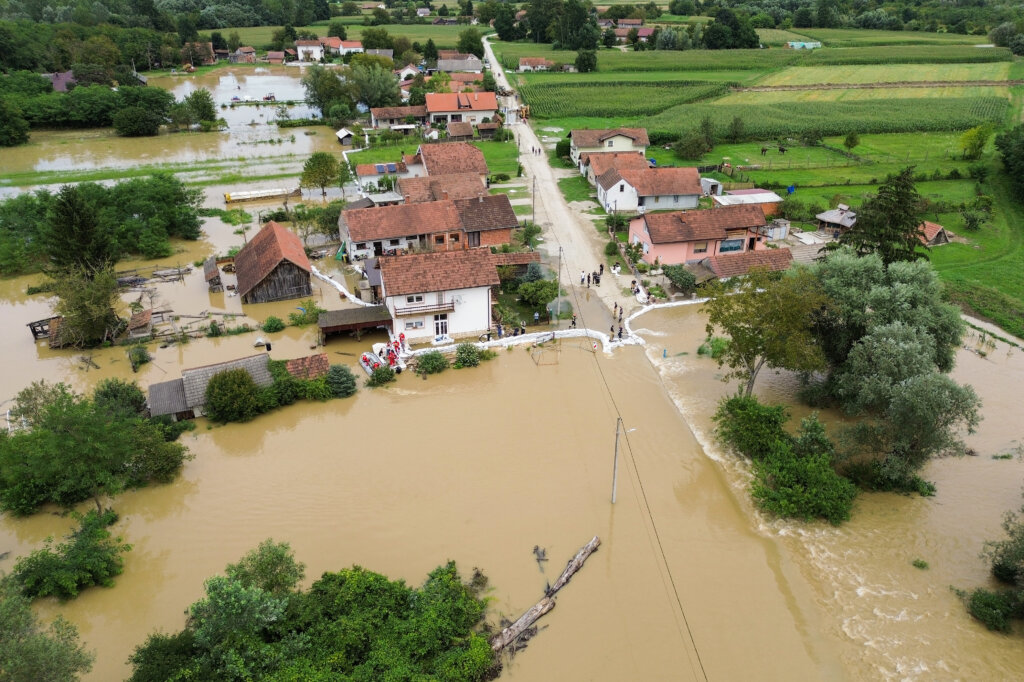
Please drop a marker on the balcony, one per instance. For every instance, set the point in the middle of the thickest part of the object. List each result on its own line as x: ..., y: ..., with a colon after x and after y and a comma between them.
x: 425, y: 308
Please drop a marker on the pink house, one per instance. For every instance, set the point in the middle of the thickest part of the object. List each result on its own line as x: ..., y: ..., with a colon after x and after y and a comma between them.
x: 692, y: 236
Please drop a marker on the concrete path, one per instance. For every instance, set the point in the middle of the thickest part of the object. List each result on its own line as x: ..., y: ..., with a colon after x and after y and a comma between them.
x: 568, y: 234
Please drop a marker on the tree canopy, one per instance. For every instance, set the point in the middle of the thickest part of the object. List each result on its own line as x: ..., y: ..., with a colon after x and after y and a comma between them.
x: 320, y: 170
x: 889, y: 223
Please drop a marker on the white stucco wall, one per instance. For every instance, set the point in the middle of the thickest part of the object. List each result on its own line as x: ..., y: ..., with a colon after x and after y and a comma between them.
x: 471, y: 316
x: 670, y: 202
x: 620, y: 197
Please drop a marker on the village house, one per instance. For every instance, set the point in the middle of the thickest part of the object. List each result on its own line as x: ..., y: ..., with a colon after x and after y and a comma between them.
x: 643, y: 34
x: 438, y: 187
x: 452, y: 157
x: 616, y: 140
x: 596, y: 164
x: 407, y: 72
x: 309, y: 50
x: 652, y: 189
x: 443, y: 294
x: 692, y: 236
x: 460, y: 62
x: 445, y: 21
x: 275, y: 57
x: 198, y: 54
x: 838, y: 219
x: 768, y: 201
x: 185, y: 398
x: 211, y: 273
x: 444, y: 225
x: 349, y: 47
x: 273, y: 266
x: 243, y: 55
x: 470, y: 107
x: 933, y: 234
x: 423, y: 12
x: 372, y: 173
x: 398, y: 118
x: 605, y: 24
x: 460, y: 132
x: 535, y: 64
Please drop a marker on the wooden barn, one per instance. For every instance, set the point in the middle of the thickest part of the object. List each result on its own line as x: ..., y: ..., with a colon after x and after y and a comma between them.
x: 212, y: 274
x: 273, y: 267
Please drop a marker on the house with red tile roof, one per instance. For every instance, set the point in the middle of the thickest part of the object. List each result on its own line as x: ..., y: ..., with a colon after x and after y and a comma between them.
x: 438, y: 187
x: 446, y: 158
x: 245, y: 54
x: 470, y: 107
x: 650, y: 189
x: 596, y: 164
x: 273, y: 266
x: 309, y: 367
x: 685, y: 237
x: 309, y: 50
x: 725, y: 266
x: 275, y: 57
x: 614, y: 140
x: 535, y: 64
x: 643, y: 34
x: 444, y: 225
x: 350, y: 47
x: 445, y: 294
x: 398, y: 117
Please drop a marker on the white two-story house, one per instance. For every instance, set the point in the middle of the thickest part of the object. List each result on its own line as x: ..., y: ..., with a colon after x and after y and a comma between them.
x: 445, y: 294
x: 652, y: 189
x: 617, y: 140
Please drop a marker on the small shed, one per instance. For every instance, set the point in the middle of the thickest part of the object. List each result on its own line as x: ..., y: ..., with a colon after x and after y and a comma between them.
x: 933, y: 234
x: 273, y: 266
x: 839, y: 218
x: 460, y: 131
x: 345, y: 137
x: 168, y: 398
x: 212, y: 274
x: 354, y: 320
x: 140, y: 325
x: 488, y: 130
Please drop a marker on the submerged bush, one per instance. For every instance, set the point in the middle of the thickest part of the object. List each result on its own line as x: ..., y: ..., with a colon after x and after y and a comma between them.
x: 272, y: 324
x: 466, y: 355
x: 232, y: 396
x: 341, y: 381
x: 380, y: 377
x: 432, y: 362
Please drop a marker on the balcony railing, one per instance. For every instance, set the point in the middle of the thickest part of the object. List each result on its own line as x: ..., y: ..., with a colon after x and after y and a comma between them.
x: 425, y: 308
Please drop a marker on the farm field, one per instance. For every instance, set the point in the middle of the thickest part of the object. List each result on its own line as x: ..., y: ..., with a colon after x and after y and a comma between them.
x: 443, y: 36
x: 776, y: 37
x: 860, y: 94
x: 849, y: 37
x: 888, y: 73
x: 629, y: 98
x: 741, y: 77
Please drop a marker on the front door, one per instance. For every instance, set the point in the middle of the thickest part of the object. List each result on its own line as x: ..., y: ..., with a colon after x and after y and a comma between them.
x: 751, y: 243
x: 441, y: 325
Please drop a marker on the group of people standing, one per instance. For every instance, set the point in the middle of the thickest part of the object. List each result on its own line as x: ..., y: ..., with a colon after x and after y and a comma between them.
x: 595, y: 276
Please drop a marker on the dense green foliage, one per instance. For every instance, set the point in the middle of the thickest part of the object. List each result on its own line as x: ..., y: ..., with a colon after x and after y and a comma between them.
x: 30, y: 652
x: 793, y: 476
x: 272, y: 324
x: 432, y: 362
x: 350, y: 625
x: 889, y: 223
x: 997, y: 608
x: 75, y: 448
x: 85, y: 106
x: 1011, y: 150
x: 92, y: 225
x: 681, y: 278
x: 232, y: 396
x: 341, y: 381
x: 380, y: 377
x: 466, y: 355
x: 320, y: 170
x: 308, y: 312
x: 538, y: 293
x: 91, y: 556
x: 622, y: 98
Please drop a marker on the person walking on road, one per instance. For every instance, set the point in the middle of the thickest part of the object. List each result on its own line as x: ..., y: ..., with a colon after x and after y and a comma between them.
x: 588, y: 281
x: 583, y: 277
x: 572, y: 325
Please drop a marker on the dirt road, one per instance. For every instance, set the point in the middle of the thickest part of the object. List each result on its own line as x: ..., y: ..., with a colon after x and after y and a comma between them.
x: 568, y: 233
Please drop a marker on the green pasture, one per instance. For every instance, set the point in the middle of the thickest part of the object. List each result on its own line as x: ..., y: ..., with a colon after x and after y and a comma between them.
x: 862, y: 94
x: 606, y: 78
x: 443, y: 36
x: 776, y: 37
x: 673, y: 19
x: 627, y: 98
x: 853, y: 37
x: 888, y: 73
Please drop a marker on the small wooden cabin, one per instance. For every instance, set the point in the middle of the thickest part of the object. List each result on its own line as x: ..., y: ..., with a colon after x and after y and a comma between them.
x: 212, y: 274
x: 273, y: 267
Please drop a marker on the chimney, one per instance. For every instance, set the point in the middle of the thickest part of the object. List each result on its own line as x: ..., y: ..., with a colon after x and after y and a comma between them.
x: 481, y: 198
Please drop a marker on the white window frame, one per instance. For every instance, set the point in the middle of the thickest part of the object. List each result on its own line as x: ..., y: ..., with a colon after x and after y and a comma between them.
x: 415, y: 298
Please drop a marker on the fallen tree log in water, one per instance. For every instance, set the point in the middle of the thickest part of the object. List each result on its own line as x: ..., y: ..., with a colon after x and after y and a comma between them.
x: 533, y: 614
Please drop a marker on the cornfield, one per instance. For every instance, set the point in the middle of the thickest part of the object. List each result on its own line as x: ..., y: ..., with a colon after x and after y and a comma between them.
x: 623, y: 98
x: 783, y: 119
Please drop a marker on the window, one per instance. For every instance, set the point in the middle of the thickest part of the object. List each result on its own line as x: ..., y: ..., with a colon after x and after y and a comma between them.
x: 360, y: 245
x: 611, y: 143
x: 393, y: 242
x: 656, y: 198
x: 622, y: 188
x: 700, y: 247
x: 439, y: 239
x: 418, y: 324
x: 453, y: 238
x: 729, y: 245
x: 416, y: 298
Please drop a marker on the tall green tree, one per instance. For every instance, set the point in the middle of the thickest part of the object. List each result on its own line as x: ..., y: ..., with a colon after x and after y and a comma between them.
x: 471, y: 42
x: 376, y: 85
x: 200, y: 105
x: 768, y: 319
x: 320, y: 170
x: 1011, y: 150
x: 86, y: 300
x: 31, y: 651
x: 72, y: 233
x: 325, y: 89
x: 13, y: 126
x: 889, y: 223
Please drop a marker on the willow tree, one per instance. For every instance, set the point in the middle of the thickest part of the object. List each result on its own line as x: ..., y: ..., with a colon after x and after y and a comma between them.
x: 768, y: 318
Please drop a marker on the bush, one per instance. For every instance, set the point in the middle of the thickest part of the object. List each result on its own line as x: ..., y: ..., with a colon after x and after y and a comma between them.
x: 139, y: 355
x: 120, y: 398
x: 748, y: 426
x: 466, y: 355
x: 309, y: 313
x: 681, y: 278
x: 272, y: 324
x: 136, y: 122
x: 807, y: 487
x: 994, y: 609
x: 214, y: 329
x: 538, y: 294
x: 341, y: 381
x: 380, y: 377
x: 317, y: 389
x: 611, y: 249
x: 562, y: 148
x: 232, y: 396
x: 90, y: 557
x: 432, y: 362
x: 714, y: 347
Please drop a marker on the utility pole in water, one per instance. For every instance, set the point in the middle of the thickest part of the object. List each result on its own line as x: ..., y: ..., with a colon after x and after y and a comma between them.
x: 615, y: 462
x: 558, y: 288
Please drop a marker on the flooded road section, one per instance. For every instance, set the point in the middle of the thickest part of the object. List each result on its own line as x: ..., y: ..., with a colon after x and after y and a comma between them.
x: 892, y: 621
x: 251, y: 135
x: 476, y: 465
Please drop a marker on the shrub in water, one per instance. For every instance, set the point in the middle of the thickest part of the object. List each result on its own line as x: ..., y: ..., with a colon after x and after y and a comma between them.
x: 273, y: 324
x: 994, y: 609
x: 433, y: 362
x: 232, y: 396
x: 380, y: 377
x: 466, y: 355
x: 341, y: 381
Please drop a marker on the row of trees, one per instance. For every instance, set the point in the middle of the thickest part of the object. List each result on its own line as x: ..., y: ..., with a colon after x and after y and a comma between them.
x: 255, y: 623
x: 91, y: 226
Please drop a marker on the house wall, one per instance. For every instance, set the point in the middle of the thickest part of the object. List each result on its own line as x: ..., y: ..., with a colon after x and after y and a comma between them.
x: 669, y: 202
x: 285, y: 281
x: 309, y: 53
x: 495, y: 237
x: 620, y: 198
x: 618, y: 143
x: 466, y: 115
x: 680, y: 253
x: 470, y: 318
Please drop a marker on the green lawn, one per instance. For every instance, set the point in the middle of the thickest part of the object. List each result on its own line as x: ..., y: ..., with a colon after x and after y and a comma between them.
x: 501, y: 157
x: 852, y: 37
x: 777, y: 37
x: 443, y: 36
x: 576, y: 188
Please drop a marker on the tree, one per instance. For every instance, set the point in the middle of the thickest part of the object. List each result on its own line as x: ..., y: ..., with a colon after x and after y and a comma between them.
x: 538, y: 294
x: 376, y: 85
x: 768, y: 319
x: 376, y: 39
x: 232, y: 396
x: 234, y: 41
x: 586, y: 61
x: 471, y: 42
x: 682, y: 8
x: 505, y: 22
x: 120, y: 399
x: 86, y: 302
x: 341, y: 381
x: 681, y: 278
x: 889, y: 223
x: 430, y: 51
x: 271, y: 567
x: 349, y: 8
x: 30, y: 651
x: 325, y: 89
x: 608, y: 38
x: 735, y: 133
x: 973, y: 141
x: 320, y: 170
x: 13, y: 126
x: 344, y: 177
x: 1011, y: 150
x: 337, y: 29
x: 136, y: 122
x: 200, y: 105
x: 852, y: 140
